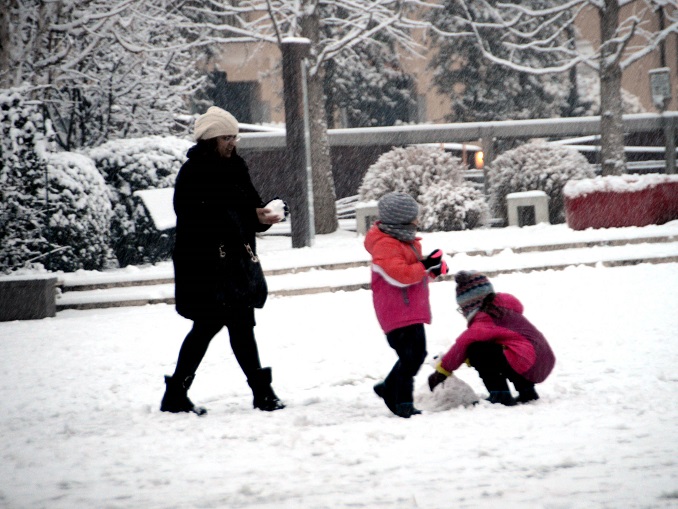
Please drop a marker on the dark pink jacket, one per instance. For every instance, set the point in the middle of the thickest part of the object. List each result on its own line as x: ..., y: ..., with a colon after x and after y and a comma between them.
x: 399, y: 281
x: 525, y: 348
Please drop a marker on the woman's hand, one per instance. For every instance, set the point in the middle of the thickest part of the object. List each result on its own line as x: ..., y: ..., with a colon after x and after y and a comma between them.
x: 267, y: 216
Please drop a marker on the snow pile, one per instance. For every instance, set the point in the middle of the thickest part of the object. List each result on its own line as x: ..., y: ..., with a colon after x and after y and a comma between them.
x: 616, y: 184
x: 452, y: 393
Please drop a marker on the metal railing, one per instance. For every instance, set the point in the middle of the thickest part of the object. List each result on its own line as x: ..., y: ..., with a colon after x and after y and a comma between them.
x: 486, y: 132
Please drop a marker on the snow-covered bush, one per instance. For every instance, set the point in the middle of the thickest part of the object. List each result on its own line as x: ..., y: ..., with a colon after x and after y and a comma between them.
x: 54, y: 207
x: 134, y: 165
x: 536, y: 166
x: 448, y: 207
x: 79, y: 213
x: 434, y: 178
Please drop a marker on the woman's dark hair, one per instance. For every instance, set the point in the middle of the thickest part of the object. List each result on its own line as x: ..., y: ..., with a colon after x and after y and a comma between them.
x: 209, y: 145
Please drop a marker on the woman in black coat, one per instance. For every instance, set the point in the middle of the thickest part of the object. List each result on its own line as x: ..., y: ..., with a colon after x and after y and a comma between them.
x: 218, y: 213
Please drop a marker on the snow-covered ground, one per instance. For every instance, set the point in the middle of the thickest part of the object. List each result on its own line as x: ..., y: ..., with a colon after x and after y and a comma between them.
x: 80, y: 425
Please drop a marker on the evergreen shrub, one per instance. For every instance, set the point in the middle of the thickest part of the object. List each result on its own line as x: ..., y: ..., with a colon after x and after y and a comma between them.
x: 133, y: 165
x: 536, y: 166
x: 79, y: 213
x: 54, y: 206
x: 435, y: 179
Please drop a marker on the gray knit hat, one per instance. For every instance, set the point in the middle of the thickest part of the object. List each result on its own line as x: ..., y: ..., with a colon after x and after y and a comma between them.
x: 398, y: 208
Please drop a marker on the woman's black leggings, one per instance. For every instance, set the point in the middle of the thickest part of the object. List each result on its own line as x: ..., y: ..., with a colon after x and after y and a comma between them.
x: 194, y: 347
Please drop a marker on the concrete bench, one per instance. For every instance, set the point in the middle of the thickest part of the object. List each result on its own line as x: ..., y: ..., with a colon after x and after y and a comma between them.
x: 527, y: 208
x: 27, y: 297
x: 365, y: 215
x: 159, y: 204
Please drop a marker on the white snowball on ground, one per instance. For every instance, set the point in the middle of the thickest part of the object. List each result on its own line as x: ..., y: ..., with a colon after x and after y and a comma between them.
x: 452, y: 393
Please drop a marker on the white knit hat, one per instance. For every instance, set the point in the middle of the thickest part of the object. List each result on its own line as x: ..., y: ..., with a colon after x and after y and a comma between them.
x: 215, y: 122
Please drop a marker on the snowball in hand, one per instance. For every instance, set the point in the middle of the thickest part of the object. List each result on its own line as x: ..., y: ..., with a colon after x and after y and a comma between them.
x: 277, y: 207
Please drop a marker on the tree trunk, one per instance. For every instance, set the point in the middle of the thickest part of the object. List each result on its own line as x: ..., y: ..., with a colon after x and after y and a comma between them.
x: 4, y: 47
x: 612, y: 158
x: 324, y: 196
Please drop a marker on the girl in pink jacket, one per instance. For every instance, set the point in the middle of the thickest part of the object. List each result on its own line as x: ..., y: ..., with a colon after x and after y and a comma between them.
x: 500, y: 343
x: 400, y: 294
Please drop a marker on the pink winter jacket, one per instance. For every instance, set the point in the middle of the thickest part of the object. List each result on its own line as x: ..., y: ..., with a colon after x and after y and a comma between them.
x: 399, y: 281
x: 525, y: 348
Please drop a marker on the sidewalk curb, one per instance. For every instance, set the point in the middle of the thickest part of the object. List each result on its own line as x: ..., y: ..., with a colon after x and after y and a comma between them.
x: 74, y: 287
x: 366, y: 285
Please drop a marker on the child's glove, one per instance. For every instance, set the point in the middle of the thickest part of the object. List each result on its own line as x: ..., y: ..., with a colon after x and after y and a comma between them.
x: 435, y: 379
x: 435, y: 264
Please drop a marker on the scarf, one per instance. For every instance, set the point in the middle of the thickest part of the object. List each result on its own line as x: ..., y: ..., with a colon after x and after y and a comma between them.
x: 402, y: 232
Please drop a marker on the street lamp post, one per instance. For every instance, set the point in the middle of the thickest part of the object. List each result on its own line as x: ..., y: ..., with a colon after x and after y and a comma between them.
x: 660, y: 84
x: 294, y: 53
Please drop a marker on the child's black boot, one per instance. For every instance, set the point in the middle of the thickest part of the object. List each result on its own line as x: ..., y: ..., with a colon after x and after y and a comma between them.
x: 527, y: 394
x: 382, y: 390
x: 176, y: 399
x: 406, y: 410
x: 502, y: 397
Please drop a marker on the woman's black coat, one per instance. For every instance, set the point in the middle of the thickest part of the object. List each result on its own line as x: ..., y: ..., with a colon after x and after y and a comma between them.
x: 215, y: 203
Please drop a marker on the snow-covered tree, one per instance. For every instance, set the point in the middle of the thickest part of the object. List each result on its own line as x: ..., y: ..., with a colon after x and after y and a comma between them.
x: 529, y: 30
x: 134, y: 165
x: 352, y: 22
x: 536, y: 166
x: 480, y: 89
x: 54, y: 207
x: 434, y: 178
x: 22, y: 180
x: 99, y: 67
x: 368, y: 87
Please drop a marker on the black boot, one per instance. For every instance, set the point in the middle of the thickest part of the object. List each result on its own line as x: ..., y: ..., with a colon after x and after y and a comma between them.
x: 527, y: 394
x: 264, y: 397
x: 176, y: 399
x: 382, y: 390
x: 502, y: 397
x: 525, y: 388
x: 405, y: 410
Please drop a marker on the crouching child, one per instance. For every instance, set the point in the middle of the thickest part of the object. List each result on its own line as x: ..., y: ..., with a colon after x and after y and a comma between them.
x: 500, y: 343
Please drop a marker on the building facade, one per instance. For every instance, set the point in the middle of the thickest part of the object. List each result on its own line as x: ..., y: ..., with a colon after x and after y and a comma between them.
x: 248, y: 76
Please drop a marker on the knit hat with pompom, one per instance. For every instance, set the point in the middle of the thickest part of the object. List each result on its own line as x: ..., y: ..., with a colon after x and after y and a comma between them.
x: 472, y: 288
